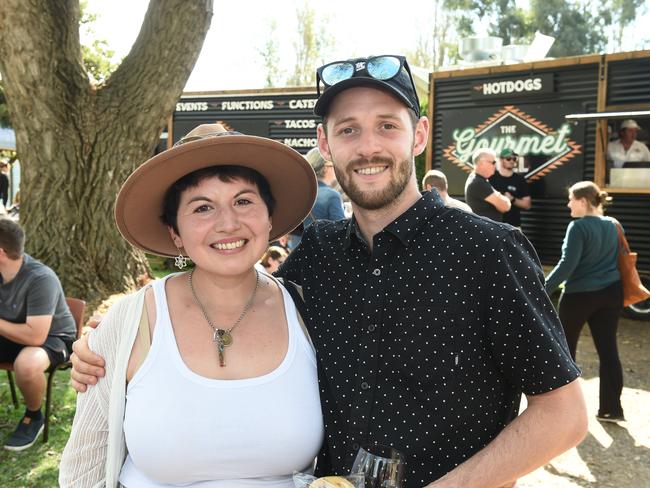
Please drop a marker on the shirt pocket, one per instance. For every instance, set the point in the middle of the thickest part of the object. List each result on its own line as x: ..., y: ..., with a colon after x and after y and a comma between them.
x: 429, y: 347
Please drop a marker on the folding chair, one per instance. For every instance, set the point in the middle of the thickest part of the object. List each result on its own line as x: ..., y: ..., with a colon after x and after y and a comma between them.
x: 77, y: 308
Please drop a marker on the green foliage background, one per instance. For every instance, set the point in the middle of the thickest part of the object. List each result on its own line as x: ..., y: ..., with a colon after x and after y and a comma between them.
x: 579, y: 26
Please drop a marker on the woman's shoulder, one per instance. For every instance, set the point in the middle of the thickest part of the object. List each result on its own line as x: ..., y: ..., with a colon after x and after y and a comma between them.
x: 117, y: 316
x: 603, y: 221
x: 588, y: 225
x: 609, y: 220
x: 128, y: 300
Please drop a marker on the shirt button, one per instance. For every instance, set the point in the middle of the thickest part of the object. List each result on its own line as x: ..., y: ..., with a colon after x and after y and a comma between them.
x: 365, y: 386
x: 376, y: 272
x: 371, y: 328
x: 355, y: 446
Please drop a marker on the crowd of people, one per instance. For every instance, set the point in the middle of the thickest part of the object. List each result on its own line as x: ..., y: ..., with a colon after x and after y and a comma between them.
x: 417, y: 323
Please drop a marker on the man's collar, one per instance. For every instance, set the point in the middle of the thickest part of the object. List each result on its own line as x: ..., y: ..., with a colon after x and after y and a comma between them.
x: 12, y: 268
x: 353, y: 232
x: 406, y: 226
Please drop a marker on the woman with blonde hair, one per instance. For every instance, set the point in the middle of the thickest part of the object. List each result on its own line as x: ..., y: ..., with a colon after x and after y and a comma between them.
x: 593, y: 292
x: 210, y: 379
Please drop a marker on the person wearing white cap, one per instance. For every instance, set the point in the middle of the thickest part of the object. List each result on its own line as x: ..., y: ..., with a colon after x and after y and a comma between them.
x: 626, y: 147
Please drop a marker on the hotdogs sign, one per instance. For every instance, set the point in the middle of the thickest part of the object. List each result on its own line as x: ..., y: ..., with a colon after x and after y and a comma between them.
x: 514, y: 129
x: 513, y: 87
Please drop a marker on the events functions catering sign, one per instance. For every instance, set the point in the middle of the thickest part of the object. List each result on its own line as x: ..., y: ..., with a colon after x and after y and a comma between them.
x: 543, y: 145
x: 286, y: 117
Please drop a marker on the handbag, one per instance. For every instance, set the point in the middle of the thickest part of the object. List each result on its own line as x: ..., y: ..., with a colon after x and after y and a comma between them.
x: 633, y: 289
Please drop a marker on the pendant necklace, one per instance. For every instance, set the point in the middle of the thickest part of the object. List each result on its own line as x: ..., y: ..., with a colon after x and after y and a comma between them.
x: 222, y: 338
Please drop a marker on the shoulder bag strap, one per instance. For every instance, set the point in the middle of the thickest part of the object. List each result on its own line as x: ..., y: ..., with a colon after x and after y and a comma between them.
x: 622, y: 241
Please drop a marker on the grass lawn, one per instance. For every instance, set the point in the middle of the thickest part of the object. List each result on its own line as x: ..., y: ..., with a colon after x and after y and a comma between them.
x: 38, y: 466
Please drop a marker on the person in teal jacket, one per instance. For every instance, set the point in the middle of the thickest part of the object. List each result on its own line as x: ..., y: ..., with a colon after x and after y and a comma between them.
x: 592, y: 292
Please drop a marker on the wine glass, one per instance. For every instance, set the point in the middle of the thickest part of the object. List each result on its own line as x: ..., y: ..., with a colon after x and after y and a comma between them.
x: 383, y: 466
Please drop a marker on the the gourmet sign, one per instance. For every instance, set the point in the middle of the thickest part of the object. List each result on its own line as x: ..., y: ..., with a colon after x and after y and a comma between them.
x: 512, y: 87
x: 514, y: 129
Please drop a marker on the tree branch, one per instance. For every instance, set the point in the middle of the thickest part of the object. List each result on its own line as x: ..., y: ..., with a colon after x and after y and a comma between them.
x: 46, y: 33
x: 164, y: 55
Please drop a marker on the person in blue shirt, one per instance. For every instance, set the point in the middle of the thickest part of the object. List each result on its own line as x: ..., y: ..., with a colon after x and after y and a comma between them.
x: 593, y: 292
x: 329, y: 204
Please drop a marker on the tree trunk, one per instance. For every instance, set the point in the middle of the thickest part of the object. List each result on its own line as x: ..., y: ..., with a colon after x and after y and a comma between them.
x: 77, y: 142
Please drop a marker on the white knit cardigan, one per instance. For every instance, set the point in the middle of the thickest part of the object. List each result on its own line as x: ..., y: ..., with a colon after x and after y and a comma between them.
x: 95, y: 452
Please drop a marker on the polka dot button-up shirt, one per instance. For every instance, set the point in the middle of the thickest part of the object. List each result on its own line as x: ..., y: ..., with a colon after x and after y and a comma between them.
x: 427, y: 342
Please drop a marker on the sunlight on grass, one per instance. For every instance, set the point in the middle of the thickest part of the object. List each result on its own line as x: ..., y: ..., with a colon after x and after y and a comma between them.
x: 38, y: 466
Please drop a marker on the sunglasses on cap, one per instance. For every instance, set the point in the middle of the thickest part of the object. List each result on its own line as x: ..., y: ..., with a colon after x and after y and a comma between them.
x: 381, y: 68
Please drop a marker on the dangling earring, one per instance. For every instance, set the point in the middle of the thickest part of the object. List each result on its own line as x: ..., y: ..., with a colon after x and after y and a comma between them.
x: 180, y: 261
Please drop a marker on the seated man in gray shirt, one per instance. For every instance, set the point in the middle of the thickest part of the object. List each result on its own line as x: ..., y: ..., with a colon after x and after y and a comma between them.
x: 36, y: 327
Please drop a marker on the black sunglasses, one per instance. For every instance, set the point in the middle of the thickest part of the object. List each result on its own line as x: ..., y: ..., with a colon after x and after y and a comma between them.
x: 511, y: 158
x: 382, y: 68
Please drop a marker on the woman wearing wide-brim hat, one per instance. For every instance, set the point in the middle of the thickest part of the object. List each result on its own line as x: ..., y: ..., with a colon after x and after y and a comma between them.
x: 210, y: 379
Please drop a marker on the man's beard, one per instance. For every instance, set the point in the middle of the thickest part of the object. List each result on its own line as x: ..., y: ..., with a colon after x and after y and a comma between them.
x: 375, y: 199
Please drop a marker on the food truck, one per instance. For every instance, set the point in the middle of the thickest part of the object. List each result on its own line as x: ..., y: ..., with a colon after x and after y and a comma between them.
x: 559, y: 115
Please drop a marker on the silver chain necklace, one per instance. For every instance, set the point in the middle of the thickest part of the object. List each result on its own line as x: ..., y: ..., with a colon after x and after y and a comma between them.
x: 223, y: 337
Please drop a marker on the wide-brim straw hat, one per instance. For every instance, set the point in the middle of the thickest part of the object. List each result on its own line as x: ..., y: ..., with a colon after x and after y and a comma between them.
x: 139, y: 203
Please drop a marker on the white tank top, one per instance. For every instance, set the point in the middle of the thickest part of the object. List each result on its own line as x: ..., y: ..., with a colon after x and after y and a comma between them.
x: 183, y: 429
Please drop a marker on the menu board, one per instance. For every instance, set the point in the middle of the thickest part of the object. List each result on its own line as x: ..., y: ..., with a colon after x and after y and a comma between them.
x: 286, y: 117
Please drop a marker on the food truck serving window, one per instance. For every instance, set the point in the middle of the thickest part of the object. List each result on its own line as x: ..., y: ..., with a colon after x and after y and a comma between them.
x: 624, y: 164
x: 628, y: 153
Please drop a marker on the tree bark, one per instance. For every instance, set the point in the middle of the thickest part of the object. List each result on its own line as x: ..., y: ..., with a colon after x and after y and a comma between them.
x: 78, y: 142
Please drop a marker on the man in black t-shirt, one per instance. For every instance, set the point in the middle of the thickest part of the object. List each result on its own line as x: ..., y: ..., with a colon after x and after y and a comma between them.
x: 36, y: 327
x: 513, y: 186
x: 479, y: 194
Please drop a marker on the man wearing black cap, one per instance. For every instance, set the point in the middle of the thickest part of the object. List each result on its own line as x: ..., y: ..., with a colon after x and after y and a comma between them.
x: 512, y: 185
x: 429, y: 322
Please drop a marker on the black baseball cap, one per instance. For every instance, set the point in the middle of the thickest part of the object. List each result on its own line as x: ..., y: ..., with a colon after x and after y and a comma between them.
x: 359, y: 72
